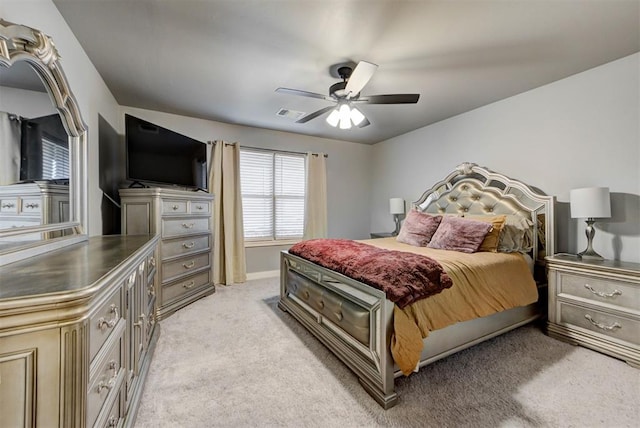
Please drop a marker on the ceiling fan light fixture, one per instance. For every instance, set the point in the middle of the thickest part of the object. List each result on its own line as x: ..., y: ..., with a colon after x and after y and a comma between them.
x: 345, y: 117
x: 356, y: 116
x: 333, y: 118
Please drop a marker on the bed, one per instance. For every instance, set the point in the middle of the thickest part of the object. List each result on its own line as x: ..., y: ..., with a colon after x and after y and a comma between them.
x: 358, y: 322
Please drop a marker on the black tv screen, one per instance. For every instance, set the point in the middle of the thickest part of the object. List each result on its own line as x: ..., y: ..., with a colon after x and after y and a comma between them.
x: 159, y: 155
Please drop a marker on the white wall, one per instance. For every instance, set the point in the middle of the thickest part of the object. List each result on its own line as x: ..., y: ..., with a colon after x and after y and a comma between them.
x: 348, y: 172
x: 86, y: 84
x: 25, y: 103
x: 577, y: 132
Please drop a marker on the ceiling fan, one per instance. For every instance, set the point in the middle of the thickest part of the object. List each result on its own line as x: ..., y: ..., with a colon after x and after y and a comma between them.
x: 346, y: 95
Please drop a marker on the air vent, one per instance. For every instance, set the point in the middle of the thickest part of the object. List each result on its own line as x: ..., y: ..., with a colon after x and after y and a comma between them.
x: 290, y: 114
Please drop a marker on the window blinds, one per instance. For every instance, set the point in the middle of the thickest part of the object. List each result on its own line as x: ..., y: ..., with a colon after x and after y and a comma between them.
x: 273, y: 186
x: 55, y: 160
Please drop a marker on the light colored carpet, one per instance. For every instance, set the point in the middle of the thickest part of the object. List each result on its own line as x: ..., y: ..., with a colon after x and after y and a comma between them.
x: 233, y: 359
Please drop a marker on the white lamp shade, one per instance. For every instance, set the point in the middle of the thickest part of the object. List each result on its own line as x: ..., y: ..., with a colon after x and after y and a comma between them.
x: 590, y: 202
x: 396, y: 206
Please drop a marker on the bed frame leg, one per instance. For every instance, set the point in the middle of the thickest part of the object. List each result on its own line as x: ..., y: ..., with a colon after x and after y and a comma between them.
x: 386, y: 400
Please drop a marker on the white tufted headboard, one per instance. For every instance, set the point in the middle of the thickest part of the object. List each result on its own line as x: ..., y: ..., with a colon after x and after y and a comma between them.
x: 471, y: 189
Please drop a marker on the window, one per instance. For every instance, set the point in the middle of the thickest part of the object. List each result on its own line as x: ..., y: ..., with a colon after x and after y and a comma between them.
x: 55, y: 160
x: 273, y: 192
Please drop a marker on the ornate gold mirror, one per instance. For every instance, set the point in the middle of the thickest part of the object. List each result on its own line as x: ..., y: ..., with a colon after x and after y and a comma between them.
x: 42, y: 148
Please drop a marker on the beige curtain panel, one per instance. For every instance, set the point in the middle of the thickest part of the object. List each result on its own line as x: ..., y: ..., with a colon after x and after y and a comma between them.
x: 10, y: 146
x: 229, y: 264
x: 315, y: 209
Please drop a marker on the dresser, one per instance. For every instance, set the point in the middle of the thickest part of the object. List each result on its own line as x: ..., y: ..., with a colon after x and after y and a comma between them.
x: 596, y: 304
x: 183, y: 221
x: 33, y: 204
x: 77, y: 332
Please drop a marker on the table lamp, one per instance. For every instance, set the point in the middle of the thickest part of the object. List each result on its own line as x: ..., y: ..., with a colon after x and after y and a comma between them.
x: 396, y: 207
x: 590, y: 203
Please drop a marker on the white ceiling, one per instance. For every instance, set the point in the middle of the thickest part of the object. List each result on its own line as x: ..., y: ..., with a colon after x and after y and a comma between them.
x: 222, y: 59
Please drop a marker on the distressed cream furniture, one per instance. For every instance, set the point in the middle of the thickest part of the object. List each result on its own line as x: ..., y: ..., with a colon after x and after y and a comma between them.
x: 77, y: 331
x: 33, y: 204
x: 183, y: 220
x: 596, y: 304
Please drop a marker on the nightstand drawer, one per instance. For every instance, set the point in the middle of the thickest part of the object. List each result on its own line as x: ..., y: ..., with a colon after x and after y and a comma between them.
x: 609, y: 291
x: 31, y: 206
x: 621, y: 328
x: 9, y: 205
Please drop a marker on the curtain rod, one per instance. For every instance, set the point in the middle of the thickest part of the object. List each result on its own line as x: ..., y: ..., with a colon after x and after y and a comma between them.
x: 269, y: 150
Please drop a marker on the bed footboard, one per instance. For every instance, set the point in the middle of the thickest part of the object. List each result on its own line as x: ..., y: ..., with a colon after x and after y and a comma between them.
x: 353, y: 320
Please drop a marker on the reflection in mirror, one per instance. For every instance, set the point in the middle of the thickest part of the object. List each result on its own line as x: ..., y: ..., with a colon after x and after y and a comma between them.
x: 42, y: 148
x: 34, y: 149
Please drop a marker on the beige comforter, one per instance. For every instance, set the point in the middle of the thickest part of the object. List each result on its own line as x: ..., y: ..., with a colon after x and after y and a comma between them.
x: 483, y: 284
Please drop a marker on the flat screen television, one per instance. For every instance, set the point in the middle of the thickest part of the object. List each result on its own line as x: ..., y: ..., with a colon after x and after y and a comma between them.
x: 159, y: 155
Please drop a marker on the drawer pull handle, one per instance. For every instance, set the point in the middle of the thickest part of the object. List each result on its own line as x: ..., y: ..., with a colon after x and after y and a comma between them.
x: 602, y: 326
x: 151, y: 290
x: 199, y: 207
x: 189, y: 265
x: 113, y: 422
x: 103, y: 324
x: 189, y: 284
x: 188, y: 226
x: 152, y: 262
x: 615, y: 292
x: 141, y: 322
x: 189, y: 245
x: 175, y: 207
x: 32, y: 205
x: 8, y: 205
x: 107, y: 385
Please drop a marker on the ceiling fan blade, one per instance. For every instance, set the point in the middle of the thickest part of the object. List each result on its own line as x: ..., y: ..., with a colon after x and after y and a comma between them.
x: 389, y: 99
x: 304, y: 94
x: 315, y: 114
x: 360, y: 77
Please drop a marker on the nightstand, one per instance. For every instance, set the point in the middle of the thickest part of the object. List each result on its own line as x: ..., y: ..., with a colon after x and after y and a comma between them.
x: 382, y: 235
x: 596, y: 304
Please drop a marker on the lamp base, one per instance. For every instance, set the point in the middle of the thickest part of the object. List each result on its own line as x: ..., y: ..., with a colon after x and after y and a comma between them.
x: 589, y: 253
x: 396, y: 218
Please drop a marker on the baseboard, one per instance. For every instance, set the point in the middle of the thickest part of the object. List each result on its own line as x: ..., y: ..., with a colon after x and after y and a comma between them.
x: 263, y: 274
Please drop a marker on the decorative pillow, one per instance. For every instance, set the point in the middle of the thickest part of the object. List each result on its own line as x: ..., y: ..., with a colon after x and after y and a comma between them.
x: 516, y: 235
x: 490, y: 242
x: 418, y: 228
x: 460, y: 234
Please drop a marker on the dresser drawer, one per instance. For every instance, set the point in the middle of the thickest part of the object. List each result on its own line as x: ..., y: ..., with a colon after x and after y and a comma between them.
x: 177, y: 289
x: 184, y: 266
x: 619, y: 293
x: 618, y: 327
x: 180, y: 247
x: 183, y: 226
x: 31, y: 206
x: 173, y: 207
x: 200, y: 207
x: 103, y: 322
x: 9, y: 205
x: 115, y: 414
x: 105, y: 381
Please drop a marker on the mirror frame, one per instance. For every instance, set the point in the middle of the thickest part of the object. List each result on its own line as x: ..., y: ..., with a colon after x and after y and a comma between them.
x: 22, y: 43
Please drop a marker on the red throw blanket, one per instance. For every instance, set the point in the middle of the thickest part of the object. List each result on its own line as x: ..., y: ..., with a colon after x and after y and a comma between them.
x: 404, y: 277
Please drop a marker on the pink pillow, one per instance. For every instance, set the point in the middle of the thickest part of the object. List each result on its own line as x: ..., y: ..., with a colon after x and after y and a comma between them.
x: 460, y: 234
x: 418, y: 228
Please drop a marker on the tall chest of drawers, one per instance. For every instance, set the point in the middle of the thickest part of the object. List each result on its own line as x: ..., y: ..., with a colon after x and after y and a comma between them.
x: 183, y: 221
x: 596, y: 304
